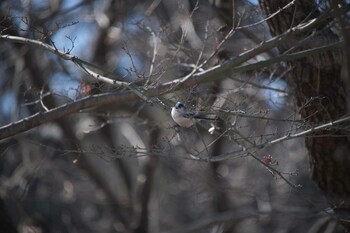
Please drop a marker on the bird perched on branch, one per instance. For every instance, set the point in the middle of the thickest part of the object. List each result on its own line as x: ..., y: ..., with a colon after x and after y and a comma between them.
x: 185, y: 118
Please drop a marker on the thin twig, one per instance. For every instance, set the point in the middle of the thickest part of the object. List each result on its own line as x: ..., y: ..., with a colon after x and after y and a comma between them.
x: 155, y: 49
x: 268, y: 17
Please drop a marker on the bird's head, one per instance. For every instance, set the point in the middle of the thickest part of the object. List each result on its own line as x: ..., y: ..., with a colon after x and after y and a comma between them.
x: 179, y: 105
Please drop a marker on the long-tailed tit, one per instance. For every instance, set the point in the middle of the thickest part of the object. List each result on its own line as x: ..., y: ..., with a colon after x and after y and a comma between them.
x: 183, y: 117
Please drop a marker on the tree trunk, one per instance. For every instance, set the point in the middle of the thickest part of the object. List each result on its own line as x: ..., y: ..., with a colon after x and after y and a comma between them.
x: 319, y: 94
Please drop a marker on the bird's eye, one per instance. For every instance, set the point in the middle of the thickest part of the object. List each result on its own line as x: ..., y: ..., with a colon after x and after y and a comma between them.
x: 179, y: 105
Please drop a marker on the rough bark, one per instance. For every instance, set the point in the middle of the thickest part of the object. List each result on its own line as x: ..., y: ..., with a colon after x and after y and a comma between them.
x: 320, y: 95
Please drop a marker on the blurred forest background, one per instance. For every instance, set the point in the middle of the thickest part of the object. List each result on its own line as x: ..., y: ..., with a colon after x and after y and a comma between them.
x: 87, y: 143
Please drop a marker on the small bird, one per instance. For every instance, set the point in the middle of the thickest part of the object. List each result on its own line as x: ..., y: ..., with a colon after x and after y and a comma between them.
x: 185, y: 118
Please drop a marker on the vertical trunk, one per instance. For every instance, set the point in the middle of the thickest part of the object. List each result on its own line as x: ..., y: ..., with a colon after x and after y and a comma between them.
x: 319, y: 93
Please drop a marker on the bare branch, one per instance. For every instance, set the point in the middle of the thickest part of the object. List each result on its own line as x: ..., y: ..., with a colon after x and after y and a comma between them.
x: 234, y: 154
x: 61, y: 111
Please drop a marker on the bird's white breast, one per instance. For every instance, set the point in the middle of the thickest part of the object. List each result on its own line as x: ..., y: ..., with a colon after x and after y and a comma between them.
x: 181, y: 120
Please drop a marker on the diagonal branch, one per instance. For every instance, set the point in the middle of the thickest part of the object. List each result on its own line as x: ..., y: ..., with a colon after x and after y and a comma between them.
x: 240, y: 152
x: 63, y: 110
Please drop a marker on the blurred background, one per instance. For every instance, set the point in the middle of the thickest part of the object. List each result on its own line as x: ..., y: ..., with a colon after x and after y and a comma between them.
x: 128, y: 167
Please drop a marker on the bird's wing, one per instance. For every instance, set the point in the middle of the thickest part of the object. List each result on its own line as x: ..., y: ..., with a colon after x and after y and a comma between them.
x: 189, y: 115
